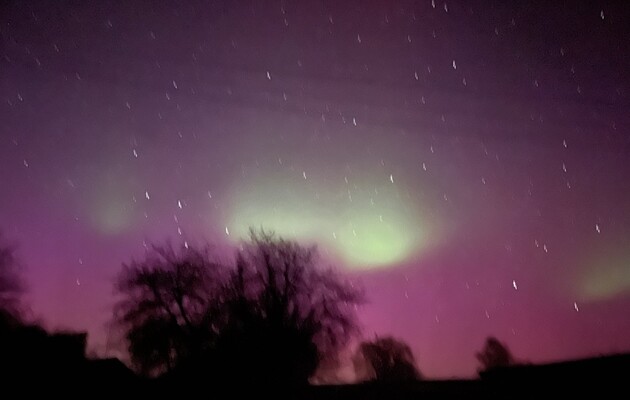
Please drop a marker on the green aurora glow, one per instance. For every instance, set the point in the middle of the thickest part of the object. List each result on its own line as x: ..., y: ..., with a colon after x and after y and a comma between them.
x: 608, y: 280
x: 366, y: 228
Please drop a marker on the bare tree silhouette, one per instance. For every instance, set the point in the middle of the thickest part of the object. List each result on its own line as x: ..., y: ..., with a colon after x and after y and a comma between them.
x: 164, y: 299
x: 494, y: 354
x: 284, y: 312
x: 11, y: 285
x: 385, y: 359
x: 269, y: 318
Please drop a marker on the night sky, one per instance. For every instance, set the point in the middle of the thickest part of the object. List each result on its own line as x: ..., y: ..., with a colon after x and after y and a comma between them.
x: 467, y: 161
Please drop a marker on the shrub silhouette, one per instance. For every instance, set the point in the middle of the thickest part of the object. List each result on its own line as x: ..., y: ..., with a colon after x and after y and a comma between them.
x: 385, y: 359
x: 493, y: 355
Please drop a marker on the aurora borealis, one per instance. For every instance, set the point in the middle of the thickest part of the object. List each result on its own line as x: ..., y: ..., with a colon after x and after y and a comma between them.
x: 365, y: 225
x: 467, y: 162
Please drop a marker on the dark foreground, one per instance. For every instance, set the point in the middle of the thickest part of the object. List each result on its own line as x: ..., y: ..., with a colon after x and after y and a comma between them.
x: 597, y: 378
x: 55, y: 364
